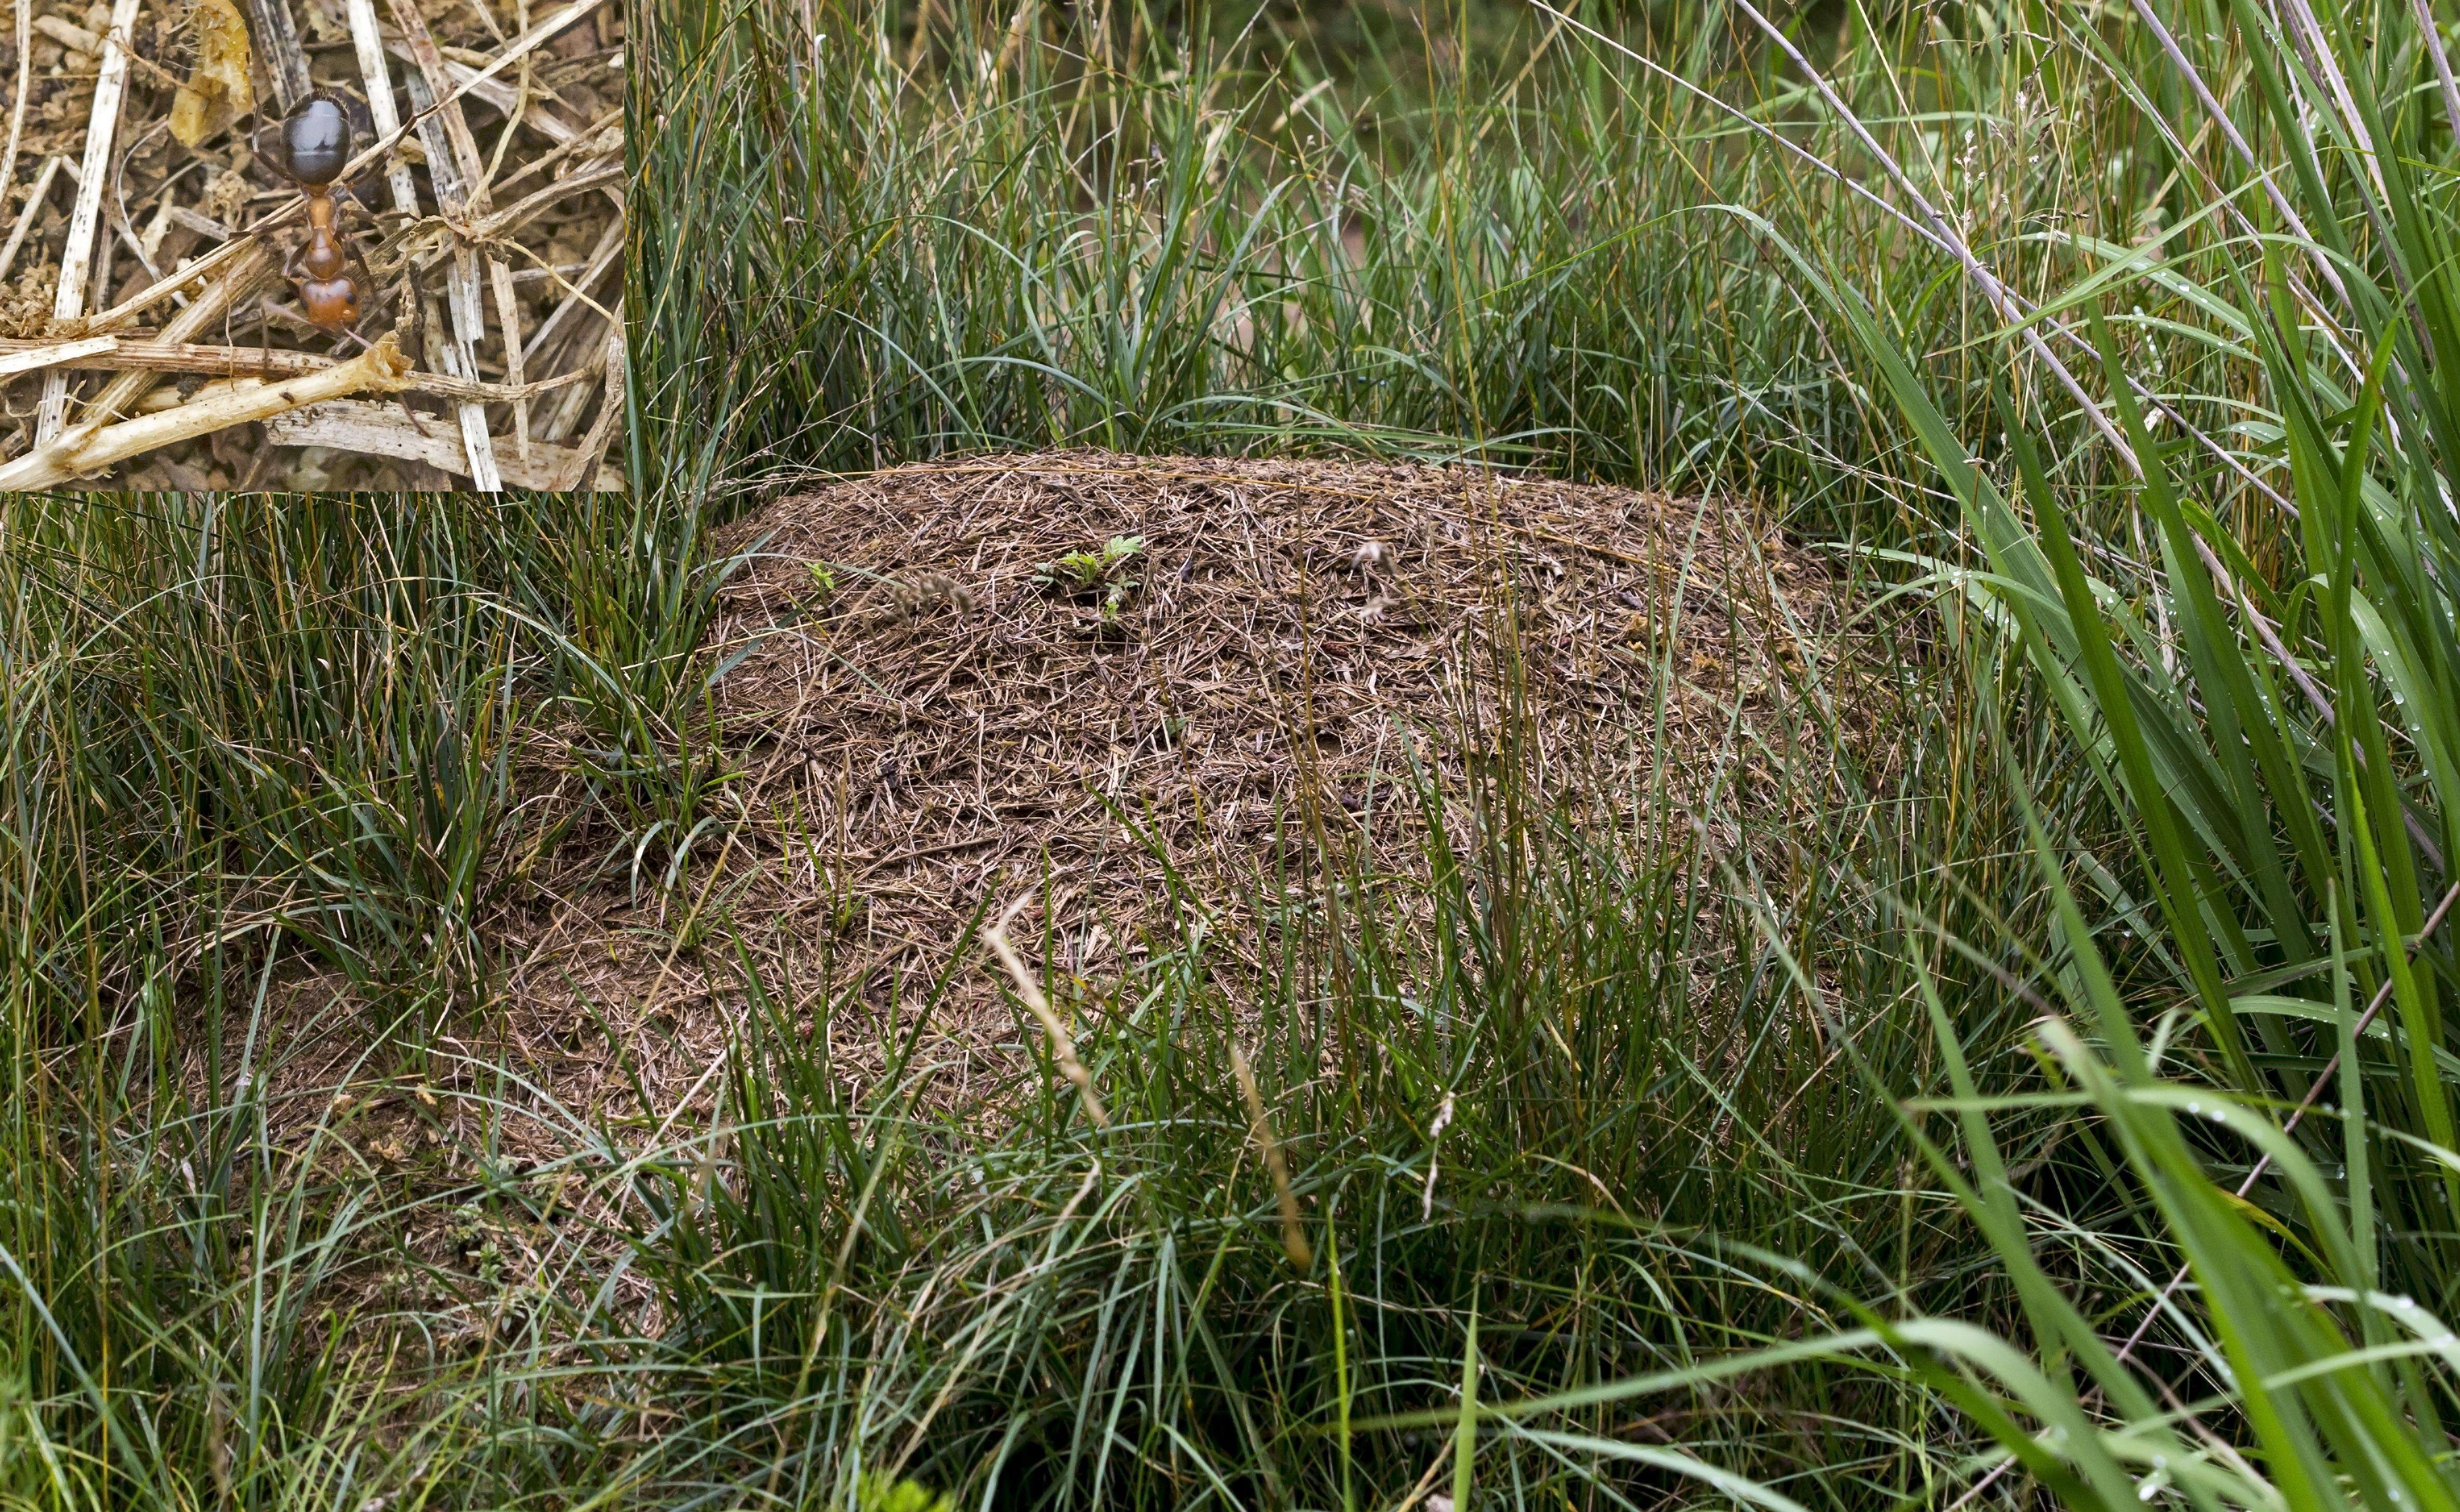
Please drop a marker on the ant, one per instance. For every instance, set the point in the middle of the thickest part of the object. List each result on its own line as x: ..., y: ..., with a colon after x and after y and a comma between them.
x: 311, y: 150
x: 310, y: 147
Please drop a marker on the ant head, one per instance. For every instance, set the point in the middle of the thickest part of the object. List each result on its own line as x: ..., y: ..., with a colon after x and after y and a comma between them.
x: 317, y: 140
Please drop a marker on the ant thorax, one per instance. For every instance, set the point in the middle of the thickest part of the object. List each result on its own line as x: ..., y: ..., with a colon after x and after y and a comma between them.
x: 322, y: 257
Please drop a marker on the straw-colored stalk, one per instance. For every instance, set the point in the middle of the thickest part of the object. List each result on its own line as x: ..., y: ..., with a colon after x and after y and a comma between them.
x: 1294, y: 1239
x: 1063, y: 1045
x: 87, y: 449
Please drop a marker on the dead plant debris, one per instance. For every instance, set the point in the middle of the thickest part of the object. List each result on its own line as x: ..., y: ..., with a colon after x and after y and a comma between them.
x: 1049, y: 679
x: 1069, y: 675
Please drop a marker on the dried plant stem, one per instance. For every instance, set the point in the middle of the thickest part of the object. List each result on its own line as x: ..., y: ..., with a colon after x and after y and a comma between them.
x: 30, y: 357
x: 563, y: 412
x: 76, y: 259
x: 607, y: 176
x: 500, y: 94
x: 447, y: 162
x: 440, y: 117
x: 508, y: 310
x: 17, y: 110
x: 276, y: 45
x: 601, y: 138
x: 26, y: 217
x: 476, y: 198
x: 601, y: 257
x: 1025, y: 14
x: 94, y: 445
x: 1294, y: 1239
x: 164, y: 286
x: 519, y: 108
x: 522, y: 46
x: 508, y: 320
x: 382, y: 112
x: 2434, y: 41
x: 385, y: 429
x: 216, y: 299
x: 610, y: 409
x: 112, y: 353
x: 1062, y: 1046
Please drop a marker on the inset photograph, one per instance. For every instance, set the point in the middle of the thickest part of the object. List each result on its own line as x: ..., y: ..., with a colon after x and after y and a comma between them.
x: 311, y: 245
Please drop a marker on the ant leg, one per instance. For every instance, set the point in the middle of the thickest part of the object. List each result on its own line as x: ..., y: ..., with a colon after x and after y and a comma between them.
x: 271, y: 150
x: 410, y: 327
x: 265, y: 313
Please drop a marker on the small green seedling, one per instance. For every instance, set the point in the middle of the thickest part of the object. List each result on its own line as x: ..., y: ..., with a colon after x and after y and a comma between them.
x: 1103, y: 571
x: 824, y: 587
x: 878, y: 1493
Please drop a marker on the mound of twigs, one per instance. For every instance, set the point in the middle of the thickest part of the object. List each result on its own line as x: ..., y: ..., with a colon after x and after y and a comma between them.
x: 1087, y: 680
x: 1119, y: 689
x: 148, y: 334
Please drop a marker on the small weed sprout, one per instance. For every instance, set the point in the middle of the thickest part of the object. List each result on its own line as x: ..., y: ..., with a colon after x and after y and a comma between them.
x: 879, y: 1493
x: 823, y: 592
x: 1104, y: 571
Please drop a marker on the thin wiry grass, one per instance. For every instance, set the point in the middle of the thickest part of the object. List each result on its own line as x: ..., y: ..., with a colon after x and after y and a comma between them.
x: 2267, y: 700
x: 884, y: 251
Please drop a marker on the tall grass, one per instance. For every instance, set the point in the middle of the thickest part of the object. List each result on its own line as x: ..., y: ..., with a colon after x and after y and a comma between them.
x: 242, y: 738
x: 2261, y: 669
x: 896, y: 245
x: 1172, y: 230
x: 1928, y: 1141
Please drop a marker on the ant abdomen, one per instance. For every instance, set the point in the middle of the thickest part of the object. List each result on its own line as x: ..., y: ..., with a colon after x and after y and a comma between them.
x: 333, y: 303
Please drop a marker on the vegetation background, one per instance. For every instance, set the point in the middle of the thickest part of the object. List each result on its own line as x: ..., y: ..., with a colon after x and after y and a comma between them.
x: 2060, y: 1112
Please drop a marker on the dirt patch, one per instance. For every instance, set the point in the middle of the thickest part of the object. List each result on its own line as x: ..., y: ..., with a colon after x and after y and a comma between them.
x: 1109, y: 684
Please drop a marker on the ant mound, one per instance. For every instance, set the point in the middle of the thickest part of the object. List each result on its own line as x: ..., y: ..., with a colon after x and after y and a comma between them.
x: 1130, y: 690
